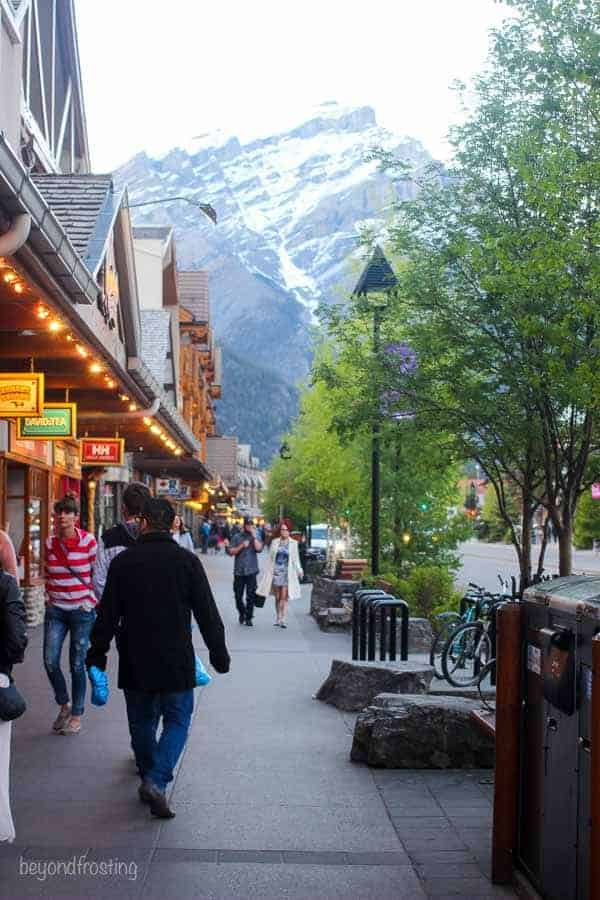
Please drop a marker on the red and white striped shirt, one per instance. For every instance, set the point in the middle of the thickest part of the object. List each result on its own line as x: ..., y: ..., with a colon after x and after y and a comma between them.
x: 64, y: 588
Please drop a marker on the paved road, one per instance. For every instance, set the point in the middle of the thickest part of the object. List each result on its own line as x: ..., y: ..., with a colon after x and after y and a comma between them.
x: 482, y: 562
x: 268, y: 804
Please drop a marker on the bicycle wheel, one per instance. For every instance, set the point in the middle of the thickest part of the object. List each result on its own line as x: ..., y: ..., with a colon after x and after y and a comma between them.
x: 446, y: 628
x: 467, y: 650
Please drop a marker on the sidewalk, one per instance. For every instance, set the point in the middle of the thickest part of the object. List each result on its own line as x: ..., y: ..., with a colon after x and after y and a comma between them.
x: 268, y: 804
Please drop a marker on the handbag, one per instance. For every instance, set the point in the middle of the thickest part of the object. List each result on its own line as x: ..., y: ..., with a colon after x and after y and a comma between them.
x: 12, y: 702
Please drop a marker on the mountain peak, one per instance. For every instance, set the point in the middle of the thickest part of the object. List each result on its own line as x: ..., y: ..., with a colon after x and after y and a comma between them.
x: 331, y: 116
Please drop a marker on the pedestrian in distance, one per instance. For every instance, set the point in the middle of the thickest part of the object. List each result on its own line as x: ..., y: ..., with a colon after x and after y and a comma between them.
x: 152, y: 590
x: 70, y: 609
x: 181, y: 535
x: 122, y: 535
x: 204, y: 536
x: 13, y: 641
x: 244, y: 548
x: 282, y: 573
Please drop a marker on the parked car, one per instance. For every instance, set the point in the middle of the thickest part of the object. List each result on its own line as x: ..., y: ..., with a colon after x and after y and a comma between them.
x: 318, y: 542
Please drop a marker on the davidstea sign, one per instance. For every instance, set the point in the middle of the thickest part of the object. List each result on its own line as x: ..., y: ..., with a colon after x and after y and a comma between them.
x: 58, y: 422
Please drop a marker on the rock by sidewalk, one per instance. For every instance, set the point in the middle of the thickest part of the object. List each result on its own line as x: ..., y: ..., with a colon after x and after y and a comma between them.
x: 352, y: 685
x: 421, y: 732
x: 329, y: 593
x: 335, y: 619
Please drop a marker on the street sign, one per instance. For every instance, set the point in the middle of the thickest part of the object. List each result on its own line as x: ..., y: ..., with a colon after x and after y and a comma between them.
x: 596, y: 491
x: 21, y: 394
x: 167, y: 486
x: 57, y: 422
x: 102, y: 451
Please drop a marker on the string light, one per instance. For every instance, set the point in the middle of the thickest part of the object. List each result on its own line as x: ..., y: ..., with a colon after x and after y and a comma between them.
x: 111, y: 383
x: 55, y: 325
x: 70, y: 337
x: 9, y: 276
x: 81, y: 350
x: 42, y: 312
x: 95, y: 368
x: 147, y: 422
x: 155, y: 429
x: 132, y: 407
x: 18, y: 288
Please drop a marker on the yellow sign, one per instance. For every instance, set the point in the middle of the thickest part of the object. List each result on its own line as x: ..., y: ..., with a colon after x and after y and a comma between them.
x: 21, y: 394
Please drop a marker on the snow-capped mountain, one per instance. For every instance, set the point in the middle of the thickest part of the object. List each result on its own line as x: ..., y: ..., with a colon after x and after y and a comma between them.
x: 289, y: 210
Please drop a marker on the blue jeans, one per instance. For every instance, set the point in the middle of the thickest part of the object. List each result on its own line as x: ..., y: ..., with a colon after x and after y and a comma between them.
x: 57, y: 623
x: 157, y: 759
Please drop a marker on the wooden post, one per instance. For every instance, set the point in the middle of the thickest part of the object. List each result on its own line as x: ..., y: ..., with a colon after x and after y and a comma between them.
x: 91, y: 485
x: 508, y: 712
x: 595, y: 772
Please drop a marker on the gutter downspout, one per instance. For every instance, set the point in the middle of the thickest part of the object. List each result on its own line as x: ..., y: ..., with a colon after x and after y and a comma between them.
x: 136, y: 414
x: 13, y: 239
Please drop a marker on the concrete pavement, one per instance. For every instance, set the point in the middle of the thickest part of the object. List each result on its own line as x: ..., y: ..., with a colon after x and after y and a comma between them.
x: 268, y: 804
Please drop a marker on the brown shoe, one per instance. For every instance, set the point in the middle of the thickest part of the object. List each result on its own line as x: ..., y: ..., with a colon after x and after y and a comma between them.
x: 155, y: 798
x: 62, y: 719
x: 71, y: 727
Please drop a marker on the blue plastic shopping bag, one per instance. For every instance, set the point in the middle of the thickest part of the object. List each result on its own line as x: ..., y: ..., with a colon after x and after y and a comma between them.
x: 202, y: 676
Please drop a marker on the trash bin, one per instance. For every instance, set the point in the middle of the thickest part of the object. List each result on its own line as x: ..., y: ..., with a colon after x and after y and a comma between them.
x: 561, y: 619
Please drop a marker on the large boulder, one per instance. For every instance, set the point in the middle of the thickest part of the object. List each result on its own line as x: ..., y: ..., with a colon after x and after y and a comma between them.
x: 335, y: 618
x: 421, y: 732
x: 328, y: 593
x: 420, y: 635
x: 352, y: 685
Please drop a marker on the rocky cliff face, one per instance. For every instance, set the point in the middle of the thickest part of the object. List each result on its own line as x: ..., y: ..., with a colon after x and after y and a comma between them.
x: 289, y: 209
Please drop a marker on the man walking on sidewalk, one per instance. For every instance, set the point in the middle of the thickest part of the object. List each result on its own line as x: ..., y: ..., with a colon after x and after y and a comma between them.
x: 244, y: 548
x: 151, y: 590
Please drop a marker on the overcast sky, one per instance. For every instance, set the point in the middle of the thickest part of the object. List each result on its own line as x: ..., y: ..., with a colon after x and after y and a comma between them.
x: 157, y: 74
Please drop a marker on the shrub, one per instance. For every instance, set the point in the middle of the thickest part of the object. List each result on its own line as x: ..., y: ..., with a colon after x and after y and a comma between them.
x: 428, y: 590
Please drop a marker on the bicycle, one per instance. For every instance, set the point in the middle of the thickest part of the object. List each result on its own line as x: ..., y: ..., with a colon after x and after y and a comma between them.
x: 470, y: 648
x: 448, y: 621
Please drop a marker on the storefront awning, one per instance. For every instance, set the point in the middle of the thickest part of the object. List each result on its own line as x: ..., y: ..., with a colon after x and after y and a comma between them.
x: 187, y: 467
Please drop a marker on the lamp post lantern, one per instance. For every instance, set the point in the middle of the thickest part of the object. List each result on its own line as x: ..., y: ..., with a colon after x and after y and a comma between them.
x: 377, y: 280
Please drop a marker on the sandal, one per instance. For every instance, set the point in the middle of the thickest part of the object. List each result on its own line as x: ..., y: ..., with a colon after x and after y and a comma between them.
x: 71, y: 728
x: 62, y: 719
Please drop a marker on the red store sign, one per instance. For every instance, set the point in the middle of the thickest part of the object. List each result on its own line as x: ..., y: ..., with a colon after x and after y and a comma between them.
x: 102, y: 451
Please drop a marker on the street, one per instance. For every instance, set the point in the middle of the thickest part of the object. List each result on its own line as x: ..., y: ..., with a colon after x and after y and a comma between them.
x: 482, y: 563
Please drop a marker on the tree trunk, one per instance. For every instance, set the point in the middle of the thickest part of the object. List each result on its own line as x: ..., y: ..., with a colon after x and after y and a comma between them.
x: 525, y: 557
x: 542, y: 553
x: 565, y: 549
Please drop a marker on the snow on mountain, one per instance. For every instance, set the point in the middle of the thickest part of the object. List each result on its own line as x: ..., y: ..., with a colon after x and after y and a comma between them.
x: 290, y: 207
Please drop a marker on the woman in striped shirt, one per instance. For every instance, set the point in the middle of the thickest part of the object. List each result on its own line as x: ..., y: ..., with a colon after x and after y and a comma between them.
x: 70, y: 605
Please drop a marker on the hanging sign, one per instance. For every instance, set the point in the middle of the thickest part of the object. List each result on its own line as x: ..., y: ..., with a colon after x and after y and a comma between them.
x: 102, y: 451
x: 57, y: 422
x: 21, y: 394
x: 596, y: 491
x: 169, y: 486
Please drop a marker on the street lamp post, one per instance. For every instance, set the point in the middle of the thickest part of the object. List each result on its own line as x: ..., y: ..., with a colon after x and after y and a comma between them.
x: 377, y: 279
x: 206, y: 208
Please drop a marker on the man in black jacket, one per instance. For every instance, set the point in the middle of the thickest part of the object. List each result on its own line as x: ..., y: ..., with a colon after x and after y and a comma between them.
x: 151, y: 590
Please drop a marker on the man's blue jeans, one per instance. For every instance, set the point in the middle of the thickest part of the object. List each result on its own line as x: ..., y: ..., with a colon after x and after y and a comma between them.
x: 57, y: 624
x: 157, y: 759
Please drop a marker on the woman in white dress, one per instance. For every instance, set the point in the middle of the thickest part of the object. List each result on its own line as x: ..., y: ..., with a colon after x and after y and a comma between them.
x: 282, y: 573
x: 13, y: 640
x: 181, y: 534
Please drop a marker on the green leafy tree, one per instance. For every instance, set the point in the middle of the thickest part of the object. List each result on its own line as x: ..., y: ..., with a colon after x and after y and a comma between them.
x: 502, y: 270
x: 587, y: 522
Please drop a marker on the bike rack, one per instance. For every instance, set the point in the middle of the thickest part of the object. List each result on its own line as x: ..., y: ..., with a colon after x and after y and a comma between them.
x: 359, y: 620
x: 367, y: 604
